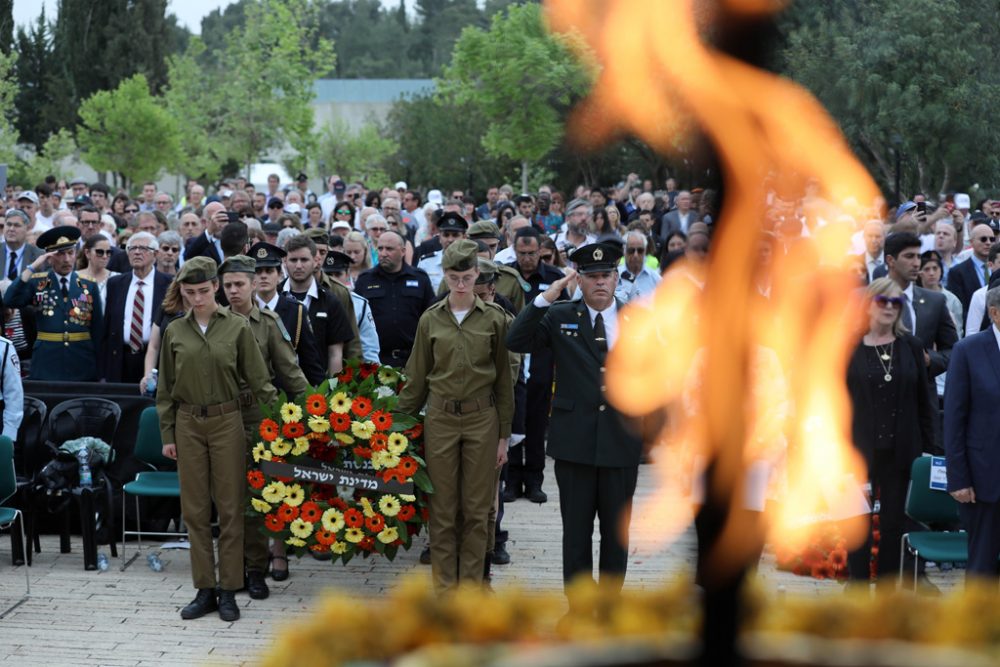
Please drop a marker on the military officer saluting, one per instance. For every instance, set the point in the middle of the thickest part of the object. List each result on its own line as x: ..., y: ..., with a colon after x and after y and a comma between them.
x: 67, y: 310
x: 596, y: 456
x: 206, y: 357
x: 237, y: 274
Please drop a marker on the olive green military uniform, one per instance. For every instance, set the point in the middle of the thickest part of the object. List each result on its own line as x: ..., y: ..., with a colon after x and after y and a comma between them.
x: 198, y: 404
x: 508, y: 280
x: 462, y: 372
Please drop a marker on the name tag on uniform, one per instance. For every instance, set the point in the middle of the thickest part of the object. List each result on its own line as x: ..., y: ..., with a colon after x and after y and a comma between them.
x: 939, y: 474
x: 413, y: 283
x: 321, y: 313
x: 569, y: 326
x: 543, y: 286
x: 374, y: 286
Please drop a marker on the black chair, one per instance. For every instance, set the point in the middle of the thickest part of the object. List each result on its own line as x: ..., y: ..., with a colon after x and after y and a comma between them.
x: 77, y: 418
x: 30, y: 455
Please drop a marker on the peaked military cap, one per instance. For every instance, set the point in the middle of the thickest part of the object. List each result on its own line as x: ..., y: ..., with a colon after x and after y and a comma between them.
x: 596, y: 258
x: 265, y: 254
x: 336, y: 261
x: 59, y: 238
x: 452, y: 221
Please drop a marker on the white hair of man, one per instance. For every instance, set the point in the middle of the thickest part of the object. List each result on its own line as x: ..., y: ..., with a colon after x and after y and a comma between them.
x: 142, y: 239
x: 374, y: 219
x: 636, y: 234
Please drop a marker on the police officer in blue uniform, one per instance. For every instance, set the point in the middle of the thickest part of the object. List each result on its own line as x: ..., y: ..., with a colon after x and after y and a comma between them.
x: 67, y: 310
x: 335, y: 266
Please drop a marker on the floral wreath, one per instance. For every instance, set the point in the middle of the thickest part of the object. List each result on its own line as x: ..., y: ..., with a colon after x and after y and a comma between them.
x: 337, y: 471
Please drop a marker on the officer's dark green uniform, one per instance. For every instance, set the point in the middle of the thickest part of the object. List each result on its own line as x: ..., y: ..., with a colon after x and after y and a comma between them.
x: 69, y: 322
x: 198, y: 403
x: 596, y: 455
x: 279, y: 356
x: 462, y: 372
x: 509, y: 281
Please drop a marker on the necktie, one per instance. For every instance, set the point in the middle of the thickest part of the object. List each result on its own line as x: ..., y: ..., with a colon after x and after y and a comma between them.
x: 986, y: 275
x: 65, y: 287
x: 600, y: 337
x: 626, y: 276
x: 135, y: 328
x: 907, y: 317
x: 12, y: 271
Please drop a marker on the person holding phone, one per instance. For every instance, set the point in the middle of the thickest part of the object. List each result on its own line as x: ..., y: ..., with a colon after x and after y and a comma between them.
x: 208, y: 244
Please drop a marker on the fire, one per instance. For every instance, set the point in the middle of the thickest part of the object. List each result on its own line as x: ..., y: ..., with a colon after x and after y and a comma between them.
x: 736, y: 374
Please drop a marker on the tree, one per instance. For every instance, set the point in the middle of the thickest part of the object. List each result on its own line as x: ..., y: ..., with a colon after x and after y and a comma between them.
x: 34, y: 167
x: 522, y: 79
x: 361, y: 155
x: 34, y: 82
x: 879, y: 67
x: 8, y: 90
x: 125, y: 131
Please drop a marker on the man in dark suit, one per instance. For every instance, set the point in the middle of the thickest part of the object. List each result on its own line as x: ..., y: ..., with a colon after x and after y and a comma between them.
x: 968, y: 276
x: 134, y: 299
x: 596, y: 456
x: 16, y: 253
x: 678, y: 219
x: 972, y: 440
x: 208, y: 244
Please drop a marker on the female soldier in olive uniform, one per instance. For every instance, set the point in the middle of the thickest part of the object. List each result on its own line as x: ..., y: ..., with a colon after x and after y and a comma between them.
x: 460, y: 368
x: 204, y: 359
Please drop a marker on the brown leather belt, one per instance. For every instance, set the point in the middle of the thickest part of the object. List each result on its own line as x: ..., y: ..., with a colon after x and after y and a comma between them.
x: 467, y: 406
x: 209, y: 410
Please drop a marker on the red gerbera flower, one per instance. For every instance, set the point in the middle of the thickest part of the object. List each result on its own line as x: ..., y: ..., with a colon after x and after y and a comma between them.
x: 367, y: 543
x: 340, y: 422
x: 382, y: 420
x: 378, y: 441
x: 320, y: 548
x: 353, y: 518
x: 293, y: 430
x: 325, y: 537
x: 273, y: 523
x: 425, y: 514
x: 288, y: 513
x: 256, y: 479
x: 362, y: 452
x: 414, y: 432
x: 361, y: 406
x: 375, y: 524
x: 310, y: 511
x: 339, y: 503
x: 408, y: 466
x: 406, y: 512
x: 394, y: 474
x: 269, y: 429
x: 346, y: 375
x: 367, y: 369
x: 316, y: 404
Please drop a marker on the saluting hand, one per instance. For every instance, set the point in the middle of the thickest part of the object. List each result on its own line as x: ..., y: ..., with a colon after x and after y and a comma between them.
x: 502, y: 452
x: 42, y: 261
x: 967, y: 495
x: 567, y: 282
x: 170, y: 451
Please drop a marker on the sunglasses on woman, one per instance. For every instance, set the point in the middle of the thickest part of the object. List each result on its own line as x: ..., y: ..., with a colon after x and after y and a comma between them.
x: 891, y: 301
x: 101, y: 252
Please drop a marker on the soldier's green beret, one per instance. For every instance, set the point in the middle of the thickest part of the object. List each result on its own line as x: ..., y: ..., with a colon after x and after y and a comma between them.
x: 238, y: 264
x: 197, y: 270
x: 318, y: 235
x: 483, y: 229
x: 487, y: 271
x: 461, y: 256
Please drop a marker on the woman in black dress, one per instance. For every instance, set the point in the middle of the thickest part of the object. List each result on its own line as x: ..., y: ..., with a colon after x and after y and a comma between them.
x: 891, y: 425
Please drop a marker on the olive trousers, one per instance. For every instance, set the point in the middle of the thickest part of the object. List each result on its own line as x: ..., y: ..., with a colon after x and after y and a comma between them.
x: 461, y: 452
x: 211, y: 464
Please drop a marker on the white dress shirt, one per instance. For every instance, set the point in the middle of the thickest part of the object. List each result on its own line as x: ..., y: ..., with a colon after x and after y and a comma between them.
x: 311, y: 293
x: 610, y: 317
x: 268, y: 305
x: 147, y: 310
x: 908, y: 292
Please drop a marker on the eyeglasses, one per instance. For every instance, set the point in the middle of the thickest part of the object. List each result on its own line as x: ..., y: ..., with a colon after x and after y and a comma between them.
x: 635, y: 251
x: 343, y: 212
x: 168, y: 248
x: 131, y: 210
x: 460, y: 280
x: 890, y: 301
x: 101, y: 252
x: 139, y: 248
x: 986, y: 239
x: 378, y: 229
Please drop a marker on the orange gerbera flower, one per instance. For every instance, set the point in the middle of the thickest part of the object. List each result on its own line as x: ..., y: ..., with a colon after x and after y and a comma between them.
x: 378, y: 441
x: 320, y: 548
x: 340, y: 422
x: 325, y: 537
x: 406, y: 512
x: 288, y: 513
x: 375, y: 523
x: 316, y: 404
x: 394, y: 474
x: 256, y: 479
x: 293, y: 430
x: 414, y: 432
x: 310, y: 511
x: 269, y: 430
x: 382, y: 420
x: 362, y: 452
x: 353, y: 518
x: 408, y: 466
x: 361, y: 406
x: 346, y: 375
x: 273, y: 523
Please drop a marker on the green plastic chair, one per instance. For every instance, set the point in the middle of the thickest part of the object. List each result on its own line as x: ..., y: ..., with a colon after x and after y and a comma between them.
x: 153, y: 483
x: 10, y: 515
x: 925, y: 505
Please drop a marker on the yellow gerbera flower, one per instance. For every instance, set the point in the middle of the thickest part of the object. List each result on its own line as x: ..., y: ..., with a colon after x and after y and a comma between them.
x: 387, y: 375
x: 301, y: 446
x: 344, y: 438
x: 363, y: 430
x: 274, y: 492
x: 340, y: 403
x: 389, y: 505
x: 390, y: 460
x: 378, y: 459
x: 294, y: 495
x: 397, y: 443
x: 290, y: 413
x: 406, y: 497
x: 319, y: 424
x: 295, y: 542
x: 354, y: 535
x: 300, y: 528
x: 366, y: 508
x: 258, y: 452
x: 280, y: 446
x: 388, y: 535
x: 333, y: 520
x: 338, y: 547
x: 260, y: 505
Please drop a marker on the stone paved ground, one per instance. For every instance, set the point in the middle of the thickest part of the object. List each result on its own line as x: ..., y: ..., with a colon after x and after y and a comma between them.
x: 131, y: 618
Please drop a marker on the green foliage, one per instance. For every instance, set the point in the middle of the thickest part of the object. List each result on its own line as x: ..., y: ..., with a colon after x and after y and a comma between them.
x: 521, y: 78
x: 48, y: 161
x: 915, y: 76
x: 8, y: 91
x: 127, y: 132
x: 360, y: 155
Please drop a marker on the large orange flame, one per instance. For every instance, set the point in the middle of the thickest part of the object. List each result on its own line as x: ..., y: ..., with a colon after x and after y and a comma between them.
x: 738, y: 375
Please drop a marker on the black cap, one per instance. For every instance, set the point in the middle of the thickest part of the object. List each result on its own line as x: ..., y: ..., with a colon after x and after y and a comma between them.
x: 59, y: 238
x: 266, y: 254
x: 274, y: 202
x: 80, y: 200
x: 301, y: 177
x: 452, y: 221
x: 339, y: 186
x: 596, y: 258
x: 271, y: 228
x: 336, y: 261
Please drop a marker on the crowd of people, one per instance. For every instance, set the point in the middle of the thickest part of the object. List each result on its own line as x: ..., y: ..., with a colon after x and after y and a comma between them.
x: 501, y: 310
